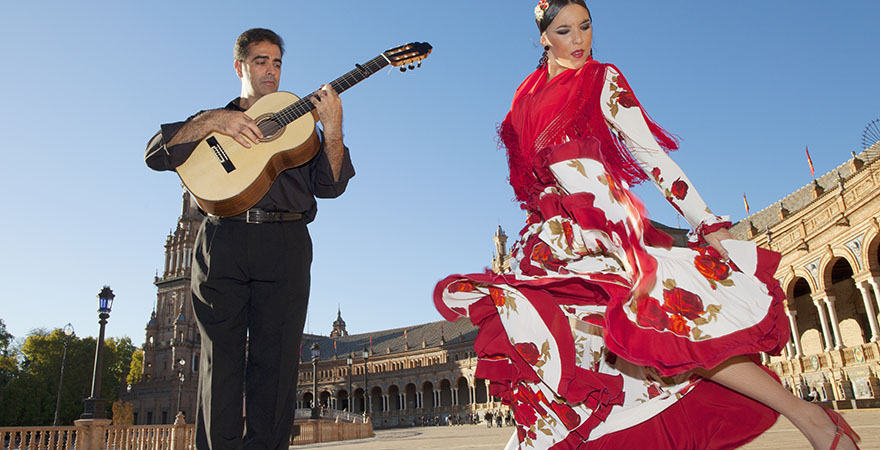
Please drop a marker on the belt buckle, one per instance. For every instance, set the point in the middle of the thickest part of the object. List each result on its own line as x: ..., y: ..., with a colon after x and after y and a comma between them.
x: 253, y: 216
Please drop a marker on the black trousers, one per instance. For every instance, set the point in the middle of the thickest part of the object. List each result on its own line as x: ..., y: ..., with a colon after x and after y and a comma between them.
x: 250, y: 287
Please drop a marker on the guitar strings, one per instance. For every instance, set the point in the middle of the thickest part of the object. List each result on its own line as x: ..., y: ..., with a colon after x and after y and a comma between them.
x: 303, y: 105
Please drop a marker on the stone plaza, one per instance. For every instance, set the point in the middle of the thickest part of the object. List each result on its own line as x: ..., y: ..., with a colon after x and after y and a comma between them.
x: 782, y: 436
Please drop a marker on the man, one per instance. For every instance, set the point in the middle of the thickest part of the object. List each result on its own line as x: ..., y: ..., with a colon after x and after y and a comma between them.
x: 250, y: 276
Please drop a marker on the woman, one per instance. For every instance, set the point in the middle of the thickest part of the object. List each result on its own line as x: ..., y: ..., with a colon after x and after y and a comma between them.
x: 603, y: 335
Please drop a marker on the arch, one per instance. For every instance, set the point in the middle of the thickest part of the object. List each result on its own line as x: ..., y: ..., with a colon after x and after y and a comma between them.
x: 410, y: 390
x: 376, y: 400
x: 828, y: 264
x: 800, y: 300
x: 394, y: 398
x: 464, y: 391
x: 481, y: 391
x: 342, y: 400
x: 445, y: 393
x: 849, y: 304
x: 324, y: 399
x: 358, y: 401
x: 871, y: 253
x: 307, y: 400
x: 428, y: 395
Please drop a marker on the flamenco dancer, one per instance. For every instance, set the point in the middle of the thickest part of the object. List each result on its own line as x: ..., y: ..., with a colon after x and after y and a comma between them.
x: 603, y: 335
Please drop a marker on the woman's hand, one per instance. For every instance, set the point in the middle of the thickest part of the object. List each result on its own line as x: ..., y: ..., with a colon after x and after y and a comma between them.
x: 714, y: 240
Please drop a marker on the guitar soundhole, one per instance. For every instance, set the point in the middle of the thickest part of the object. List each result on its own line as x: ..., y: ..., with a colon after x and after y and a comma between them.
x: 270, y: 127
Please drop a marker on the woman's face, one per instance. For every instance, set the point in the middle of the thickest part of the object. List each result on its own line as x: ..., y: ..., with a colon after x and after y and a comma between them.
x: 570, y: 37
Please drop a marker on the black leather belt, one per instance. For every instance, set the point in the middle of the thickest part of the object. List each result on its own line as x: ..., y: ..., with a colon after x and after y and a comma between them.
x: 259, y: 216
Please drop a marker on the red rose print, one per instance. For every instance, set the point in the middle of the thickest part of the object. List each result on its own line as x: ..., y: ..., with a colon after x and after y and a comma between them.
x: 567, y: 415
x: 529, y: 352
x: 521, y: 433
x: 621, y: 83
x: 525, y: 395
x: 497, y: 296
x: 544, y: 255
x: 653, y: 391
x: 461, y: 286
x: 711, y: 268
x: 627, y: 99
x: 524, y: 414
x: 679, y: 326
x: 655, y: 172
x: 650, y: 314
x: 679, y: 189
x: 569, y: 233
x: 680, y: 301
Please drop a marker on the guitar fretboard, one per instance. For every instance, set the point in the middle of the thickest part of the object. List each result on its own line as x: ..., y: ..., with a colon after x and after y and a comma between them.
x: 341, y: 84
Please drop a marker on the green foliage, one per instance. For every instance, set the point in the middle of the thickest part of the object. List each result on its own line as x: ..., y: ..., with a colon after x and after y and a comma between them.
x: 136, y: 370
x: 29, y: 396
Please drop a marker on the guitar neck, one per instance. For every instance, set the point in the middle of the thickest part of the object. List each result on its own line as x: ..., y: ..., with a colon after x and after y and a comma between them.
x: 340, y: 85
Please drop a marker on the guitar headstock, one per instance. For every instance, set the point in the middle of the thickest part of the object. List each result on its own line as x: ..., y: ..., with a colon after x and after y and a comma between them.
x: 410, y: 55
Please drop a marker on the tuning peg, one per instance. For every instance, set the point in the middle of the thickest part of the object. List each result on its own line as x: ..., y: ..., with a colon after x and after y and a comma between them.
x: 411, y: 66
x: 403, y: 68
x: 420, y: 64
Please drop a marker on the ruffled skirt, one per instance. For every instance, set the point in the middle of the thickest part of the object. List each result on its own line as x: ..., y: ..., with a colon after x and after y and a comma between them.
x: 582, y: 361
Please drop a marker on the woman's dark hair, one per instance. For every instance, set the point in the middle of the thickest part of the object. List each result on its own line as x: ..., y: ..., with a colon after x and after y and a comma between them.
x: 554, y: 8
x: 252, y: 36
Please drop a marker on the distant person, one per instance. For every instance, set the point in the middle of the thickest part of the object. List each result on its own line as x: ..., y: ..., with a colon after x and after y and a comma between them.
x: 251, y: 272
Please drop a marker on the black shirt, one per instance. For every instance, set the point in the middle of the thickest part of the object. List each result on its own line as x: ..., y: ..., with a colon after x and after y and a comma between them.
x: 294, y: 190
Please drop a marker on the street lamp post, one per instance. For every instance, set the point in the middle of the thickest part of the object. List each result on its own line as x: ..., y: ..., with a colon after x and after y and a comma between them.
x: 180, y: 378
x: 68, y: 331
x: 350, y: 361
x: 316, y: 355
x: 94, y: 405
x: 366, y: 386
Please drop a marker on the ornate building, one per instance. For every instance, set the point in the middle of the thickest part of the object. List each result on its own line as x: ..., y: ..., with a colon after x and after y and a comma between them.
x: 171, y: 348
x: 828, y: 234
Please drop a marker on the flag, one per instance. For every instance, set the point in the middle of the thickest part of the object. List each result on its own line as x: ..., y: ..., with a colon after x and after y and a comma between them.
x: 810, y: 161
x: 404, y: 335
x: 371, y: 341
x: 746, y: 203
x: 334, y: 346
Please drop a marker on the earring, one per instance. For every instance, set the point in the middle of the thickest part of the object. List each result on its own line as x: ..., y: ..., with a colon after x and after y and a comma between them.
x: 544, y: 58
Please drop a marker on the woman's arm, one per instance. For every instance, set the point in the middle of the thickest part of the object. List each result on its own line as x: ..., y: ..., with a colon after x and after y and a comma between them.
x: 622, y: 112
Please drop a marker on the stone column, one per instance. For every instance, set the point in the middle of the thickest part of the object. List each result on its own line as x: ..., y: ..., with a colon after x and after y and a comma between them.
x: 455, y: 397
x: 835, y: 325
x: 402, y: 401
x: 869, y: 308
x: 437, y: 398
x: 795, y: 333
x: 826, y: 333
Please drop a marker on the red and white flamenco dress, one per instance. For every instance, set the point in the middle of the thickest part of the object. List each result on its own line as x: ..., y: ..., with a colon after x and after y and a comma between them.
x: 583, y: 362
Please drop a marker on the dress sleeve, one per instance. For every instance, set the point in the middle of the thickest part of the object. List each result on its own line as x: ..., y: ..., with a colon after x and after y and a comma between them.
x: 622, y: 112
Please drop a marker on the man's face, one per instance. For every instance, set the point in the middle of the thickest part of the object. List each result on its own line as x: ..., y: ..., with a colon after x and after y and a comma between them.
x: 261, y: 70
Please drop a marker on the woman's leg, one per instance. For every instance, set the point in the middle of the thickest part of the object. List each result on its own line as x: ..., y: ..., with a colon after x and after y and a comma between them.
x: 744, y: 376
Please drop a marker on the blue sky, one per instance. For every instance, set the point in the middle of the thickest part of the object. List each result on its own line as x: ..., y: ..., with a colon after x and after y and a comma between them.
x: 746, y: 85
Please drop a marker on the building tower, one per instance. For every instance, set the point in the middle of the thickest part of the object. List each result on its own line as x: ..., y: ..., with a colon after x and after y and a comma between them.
x: 172, y: 334
x: 338, y: 326
x: 500, y: 260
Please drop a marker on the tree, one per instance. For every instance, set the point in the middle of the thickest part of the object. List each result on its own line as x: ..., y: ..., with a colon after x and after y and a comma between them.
x: 29, y: 397
x: 136, y: 371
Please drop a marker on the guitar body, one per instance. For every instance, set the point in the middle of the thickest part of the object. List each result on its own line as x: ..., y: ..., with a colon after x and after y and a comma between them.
x: 227, y: 178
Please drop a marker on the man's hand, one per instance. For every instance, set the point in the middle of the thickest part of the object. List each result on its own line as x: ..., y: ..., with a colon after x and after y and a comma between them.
x: 714, y: 240
x: 329, y: 108
x: 234, y: 124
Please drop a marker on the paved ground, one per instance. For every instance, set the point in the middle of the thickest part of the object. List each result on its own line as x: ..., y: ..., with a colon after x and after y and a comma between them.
x: 783, y: 436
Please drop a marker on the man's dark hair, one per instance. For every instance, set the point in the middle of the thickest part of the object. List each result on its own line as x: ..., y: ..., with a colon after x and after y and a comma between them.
x: 252, y: 36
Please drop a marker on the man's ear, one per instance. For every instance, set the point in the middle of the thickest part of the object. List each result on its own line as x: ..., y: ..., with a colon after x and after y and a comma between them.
x: 237, y: 65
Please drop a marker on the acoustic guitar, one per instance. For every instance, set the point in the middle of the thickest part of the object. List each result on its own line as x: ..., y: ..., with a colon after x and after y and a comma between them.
x: 227, y: 178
